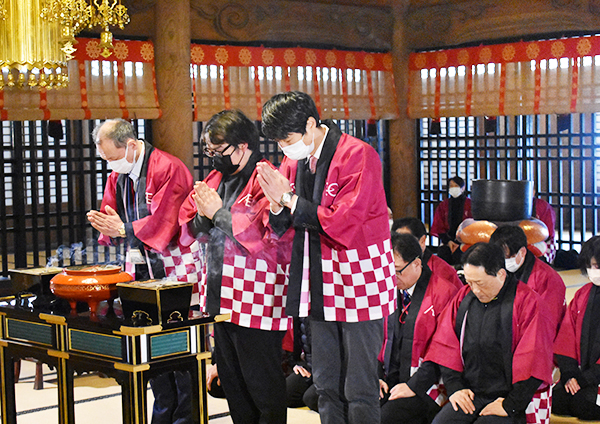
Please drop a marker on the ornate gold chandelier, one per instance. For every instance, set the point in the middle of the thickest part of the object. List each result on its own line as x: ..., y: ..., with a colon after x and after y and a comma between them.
x: 37, y: 37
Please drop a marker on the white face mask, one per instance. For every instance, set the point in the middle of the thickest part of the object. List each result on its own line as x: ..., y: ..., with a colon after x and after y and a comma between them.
x: 454, y: 191
x: 511, y: 264
x: 122, y: 166
x: 391, y: 221
x: 299, y: 150
x: 594, y: 275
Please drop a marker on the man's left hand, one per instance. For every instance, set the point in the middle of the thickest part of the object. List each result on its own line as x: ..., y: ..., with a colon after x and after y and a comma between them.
x: 401, y: 391
x: 494, y: 408
x: 107, y: 223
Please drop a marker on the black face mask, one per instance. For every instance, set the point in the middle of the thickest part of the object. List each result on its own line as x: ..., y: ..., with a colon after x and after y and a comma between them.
x: 224, y: 165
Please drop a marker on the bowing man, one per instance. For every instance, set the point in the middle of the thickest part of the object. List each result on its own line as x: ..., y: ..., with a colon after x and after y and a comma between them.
x: 329, y: 189
x: 538, y: 275
x: 492, y: 343
x: 577, y: 346
x: 243, y: 269
x: 410, y: 386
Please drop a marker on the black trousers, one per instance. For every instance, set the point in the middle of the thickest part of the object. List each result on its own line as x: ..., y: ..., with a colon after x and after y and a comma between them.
x: 449, y: 416
x: 301, y: 392
x: 412, y: 410
x: 578, y: 405
x: 172, y: 398
x: 249, y: 364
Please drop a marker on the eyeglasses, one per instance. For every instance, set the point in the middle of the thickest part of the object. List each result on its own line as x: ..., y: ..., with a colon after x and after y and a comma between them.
x: 212, y: 153
x: 399, y: 273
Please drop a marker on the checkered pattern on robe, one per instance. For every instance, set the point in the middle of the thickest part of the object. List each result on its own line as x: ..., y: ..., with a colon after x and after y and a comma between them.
x: 437, y: 392
x: 254, y: 287
x: 539, y: 409
x: 184, y: 264
x: 550, y: 253
x: 358, y: 284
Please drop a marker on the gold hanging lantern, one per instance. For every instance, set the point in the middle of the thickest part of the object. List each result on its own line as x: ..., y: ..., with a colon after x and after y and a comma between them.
x: 29, y: 46
x: 37, y: 37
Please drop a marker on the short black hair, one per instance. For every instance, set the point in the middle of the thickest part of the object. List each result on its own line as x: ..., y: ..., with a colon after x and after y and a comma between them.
x: 414, y: 225
x: 231, y: 127
x: 458, y: 180
x: 407, y: 246
x: 589, y: 250
x: 287, y: 113
x: 511, y: 237
x: 487, y: 255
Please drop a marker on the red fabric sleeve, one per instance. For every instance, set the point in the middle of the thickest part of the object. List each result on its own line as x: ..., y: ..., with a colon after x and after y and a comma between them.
x: 550, y: 286
x: 533, y: 336
x: 169, y: 182
x: 440, y: 219
x: 445, y: 349
x: 569, y: 336
x: 353, y: 210
x: 546, y: 214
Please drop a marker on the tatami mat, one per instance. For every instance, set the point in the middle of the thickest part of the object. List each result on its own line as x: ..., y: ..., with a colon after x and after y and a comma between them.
x: 99, y: 399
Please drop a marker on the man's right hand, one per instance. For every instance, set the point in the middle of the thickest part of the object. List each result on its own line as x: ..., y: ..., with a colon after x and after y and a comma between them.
x: 463, y: 399
x: 383, y: 388
x: 299, y: 369
x: 211, y: 374
x: 572, y: 386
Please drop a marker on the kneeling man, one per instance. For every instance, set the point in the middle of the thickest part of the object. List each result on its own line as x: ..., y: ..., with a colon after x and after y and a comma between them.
x: 412, y: 384
x: 492, y: 343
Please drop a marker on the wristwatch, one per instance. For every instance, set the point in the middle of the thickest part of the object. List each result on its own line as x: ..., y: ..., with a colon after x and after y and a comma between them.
x: 286, y: 198
x: 122, y: 232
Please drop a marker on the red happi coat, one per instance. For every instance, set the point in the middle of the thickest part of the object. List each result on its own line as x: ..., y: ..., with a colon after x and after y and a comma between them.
x: 568, y: 340
x: 358, y: 273
x: 255, y: 264
x: 443, y: 269
x: 546, y: 282
x: 163, y: 186
x: 419, y: 331
x: 440, y: 224
x: 531, y: 337
x: 545, y: 213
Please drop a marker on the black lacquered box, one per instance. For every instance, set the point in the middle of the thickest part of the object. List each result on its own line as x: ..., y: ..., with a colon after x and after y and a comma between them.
x: 155, y: 302
x: 35, y: 280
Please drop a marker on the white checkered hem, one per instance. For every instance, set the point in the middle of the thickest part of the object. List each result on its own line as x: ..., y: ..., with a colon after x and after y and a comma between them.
x: 539, y: 409
x: 358, y: 284
x: 183, y: 263
x: 437, y: 392
x: 254, y: 292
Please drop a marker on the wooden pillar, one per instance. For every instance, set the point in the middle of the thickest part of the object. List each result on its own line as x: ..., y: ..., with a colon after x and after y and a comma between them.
x: 404, y: 165
x: 172, y: 38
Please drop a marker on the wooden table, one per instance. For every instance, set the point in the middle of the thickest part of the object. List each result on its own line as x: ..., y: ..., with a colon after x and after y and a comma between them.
x: 131, y: 355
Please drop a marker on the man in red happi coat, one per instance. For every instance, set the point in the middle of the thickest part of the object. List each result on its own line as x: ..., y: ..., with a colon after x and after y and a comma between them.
x: 329, y: 189
x: 414, y: 393
x: 492, y: 344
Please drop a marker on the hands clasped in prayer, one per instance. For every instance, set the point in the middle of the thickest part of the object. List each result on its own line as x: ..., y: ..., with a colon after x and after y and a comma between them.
x: 107, y: 223
x: 273, y: 184
x: 207, y: 199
